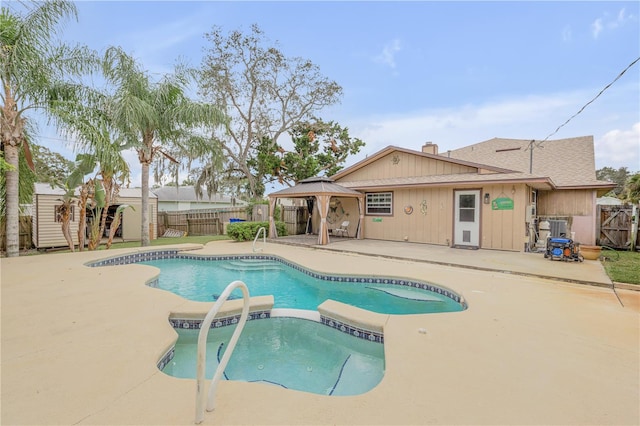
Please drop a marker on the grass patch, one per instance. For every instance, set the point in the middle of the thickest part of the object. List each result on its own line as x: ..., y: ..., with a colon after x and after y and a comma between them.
x: 622, y: 266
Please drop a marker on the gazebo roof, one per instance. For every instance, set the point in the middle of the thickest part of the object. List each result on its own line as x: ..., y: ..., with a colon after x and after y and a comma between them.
x: 319, y: 185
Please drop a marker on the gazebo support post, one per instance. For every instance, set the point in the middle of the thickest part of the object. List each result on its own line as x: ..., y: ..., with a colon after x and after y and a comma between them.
x: 272, y: 223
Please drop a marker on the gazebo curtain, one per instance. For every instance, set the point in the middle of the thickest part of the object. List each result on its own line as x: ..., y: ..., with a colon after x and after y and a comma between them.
x: 321, y: 201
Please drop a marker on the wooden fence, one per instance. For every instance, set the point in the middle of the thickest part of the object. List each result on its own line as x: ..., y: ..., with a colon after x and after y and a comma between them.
x: 199, y: 222
x: 26, y: 242
x: 614, y: 227
x: 295, y: 219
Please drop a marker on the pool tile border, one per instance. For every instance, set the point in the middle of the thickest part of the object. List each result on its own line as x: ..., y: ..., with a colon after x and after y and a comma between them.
x: 360, y: 333
x: 196, y: 324
x: 341, y: 326
x: 176, y: 254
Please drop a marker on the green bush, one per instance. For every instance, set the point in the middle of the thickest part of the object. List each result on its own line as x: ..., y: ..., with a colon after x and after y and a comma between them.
x: 246, y: 231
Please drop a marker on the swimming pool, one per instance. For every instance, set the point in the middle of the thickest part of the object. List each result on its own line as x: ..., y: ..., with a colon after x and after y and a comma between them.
x: 292, y: 353
x: 202, y: 278
x: 332, y: 356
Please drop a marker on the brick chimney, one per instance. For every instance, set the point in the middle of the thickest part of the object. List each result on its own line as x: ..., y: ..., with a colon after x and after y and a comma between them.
x: 430, y: 148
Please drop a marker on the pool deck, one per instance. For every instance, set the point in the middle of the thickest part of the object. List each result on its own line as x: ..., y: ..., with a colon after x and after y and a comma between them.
x: 537, y: 345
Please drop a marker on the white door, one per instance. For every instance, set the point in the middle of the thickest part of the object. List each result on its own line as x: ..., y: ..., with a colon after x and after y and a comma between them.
x: 466, y: 226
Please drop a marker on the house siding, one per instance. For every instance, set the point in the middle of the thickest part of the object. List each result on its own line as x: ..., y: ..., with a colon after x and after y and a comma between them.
x: 433, y: 226
x: 499, y: 229
x: 132, y: 221
x: 578, y: 206
x: 504, y: 229
x: 401, y: 164
x: 46, y: 231
x: 418, y: 179
x: 578, y: 202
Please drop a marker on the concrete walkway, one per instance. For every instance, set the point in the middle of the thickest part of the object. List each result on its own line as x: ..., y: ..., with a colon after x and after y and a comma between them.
x: 528, y: 264
x: 80, y: 346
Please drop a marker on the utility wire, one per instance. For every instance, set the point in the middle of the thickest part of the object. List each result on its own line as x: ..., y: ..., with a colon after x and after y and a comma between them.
x: 588, y: 103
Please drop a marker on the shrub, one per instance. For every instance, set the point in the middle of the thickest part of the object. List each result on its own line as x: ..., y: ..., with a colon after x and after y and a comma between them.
x: 246, y: 231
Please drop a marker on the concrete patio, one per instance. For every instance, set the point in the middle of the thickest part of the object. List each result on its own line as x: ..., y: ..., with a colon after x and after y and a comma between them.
x: 536, y: 345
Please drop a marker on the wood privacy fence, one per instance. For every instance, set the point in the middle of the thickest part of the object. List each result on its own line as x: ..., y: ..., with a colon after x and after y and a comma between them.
x: 212, y: 221
x: 26, y: 227
x: 295, y: 219
x: 614, y: 227
x: 199, y: 222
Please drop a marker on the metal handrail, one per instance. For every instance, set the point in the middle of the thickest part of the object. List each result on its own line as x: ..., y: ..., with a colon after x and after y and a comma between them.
x: 264, y: 238
x: 202, y: 348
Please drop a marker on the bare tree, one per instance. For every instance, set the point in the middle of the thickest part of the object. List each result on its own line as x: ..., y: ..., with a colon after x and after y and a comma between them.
x: 264, y: 93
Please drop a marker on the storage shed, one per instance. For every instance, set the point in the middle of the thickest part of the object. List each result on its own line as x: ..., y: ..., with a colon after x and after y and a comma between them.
x: 47, y: 228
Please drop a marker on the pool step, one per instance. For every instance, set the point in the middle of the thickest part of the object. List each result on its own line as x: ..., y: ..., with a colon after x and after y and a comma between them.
x: 251, y: 265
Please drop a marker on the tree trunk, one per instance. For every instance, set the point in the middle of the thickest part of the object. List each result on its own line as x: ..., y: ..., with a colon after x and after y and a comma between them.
x: 12, y: 206
x: 94, y: 231
x: 82, y: 216
x: 107, y: 185
x: 66, y: 228
x: 144, y: 211
x: 114, y: 228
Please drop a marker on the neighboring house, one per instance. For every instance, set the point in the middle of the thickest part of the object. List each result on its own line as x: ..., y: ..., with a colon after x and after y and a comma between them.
x: 609, y: 201
x: 181, y: 198
x: 489, y: 195
x: 47, y: 228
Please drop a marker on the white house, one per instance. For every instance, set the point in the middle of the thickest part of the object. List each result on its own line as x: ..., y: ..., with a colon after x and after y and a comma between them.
x: 181, y: 198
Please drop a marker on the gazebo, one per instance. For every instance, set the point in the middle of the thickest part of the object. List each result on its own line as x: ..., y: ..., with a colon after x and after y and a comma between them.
x: 321, y: 189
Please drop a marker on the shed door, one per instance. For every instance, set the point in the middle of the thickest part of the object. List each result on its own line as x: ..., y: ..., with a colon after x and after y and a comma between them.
x: 466, y: 227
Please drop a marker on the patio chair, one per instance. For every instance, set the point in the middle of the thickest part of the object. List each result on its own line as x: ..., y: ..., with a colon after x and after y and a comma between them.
x: 342, y: 230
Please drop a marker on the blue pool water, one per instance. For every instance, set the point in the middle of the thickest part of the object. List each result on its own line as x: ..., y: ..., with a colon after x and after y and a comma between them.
x: 291, y: 353
x: 204, y: 279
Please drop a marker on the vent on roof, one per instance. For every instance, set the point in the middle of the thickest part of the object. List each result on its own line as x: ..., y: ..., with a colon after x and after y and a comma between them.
x: 508, y: 149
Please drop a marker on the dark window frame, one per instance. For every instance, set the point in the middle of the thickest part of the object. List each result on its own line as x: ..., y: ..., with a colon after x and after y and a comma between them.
x: 377, y: 201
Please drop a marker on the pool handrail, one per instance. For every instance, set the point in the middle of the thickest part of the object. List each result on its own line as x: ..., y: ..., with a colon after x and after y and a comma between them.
x: 264, y: 238
x: 202, y: 348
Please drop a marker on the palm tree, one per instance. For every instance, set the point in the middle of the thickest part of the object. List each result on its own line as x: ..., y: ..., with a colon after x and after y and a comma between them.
x: 152, y: 115
x: 83, y: 166
x: 34, y: 72
x: 88, y: 124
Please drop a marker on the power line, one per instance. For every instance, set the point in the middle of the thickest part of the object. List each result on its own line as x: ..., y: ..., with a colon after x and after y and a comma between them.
x: 588, y: 103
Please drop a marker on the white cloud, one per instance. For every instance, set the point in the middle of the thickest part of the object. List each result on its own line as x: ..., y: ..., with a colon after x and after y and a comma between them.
x: 596, y: 27
x: 610, y: 23
x: 387, y: 56
x: 617, y: 148
x: 527, y: 117
x: 567, y: 34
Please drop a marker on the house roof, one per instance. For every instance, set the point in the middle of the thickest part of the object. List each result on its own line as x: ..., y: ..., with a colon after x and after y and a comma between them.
x: 391, y: 148
x: 188, y: 193
x: 609, y: 201
x: 461, y: 179
x: 46, y: 189
x: 564, y: 163
x: 568, y: 162
x: 316, y: 186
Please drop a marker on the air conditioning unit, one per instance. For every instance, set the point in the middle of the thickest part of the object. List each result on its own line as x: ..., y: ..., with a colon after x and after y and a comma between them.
x: 557, y: 228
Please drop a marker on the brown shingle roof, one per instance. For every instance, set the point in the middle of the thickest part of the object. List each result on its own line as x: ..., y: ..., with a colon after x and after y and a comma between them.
x: 568, y: 162
x: 459, y: 179
x: 316, y: 186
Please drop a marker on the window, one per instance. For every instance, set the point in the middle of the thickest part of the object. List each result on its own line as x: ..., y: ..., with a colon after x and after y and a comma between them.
x: 467, y: 208
x: 379, y: 203
x: 59, y: 212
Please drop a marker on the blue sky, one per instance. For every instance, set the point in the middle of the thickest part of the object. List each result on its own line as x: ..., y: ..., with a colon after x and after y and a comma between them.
x: 453, y: 73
